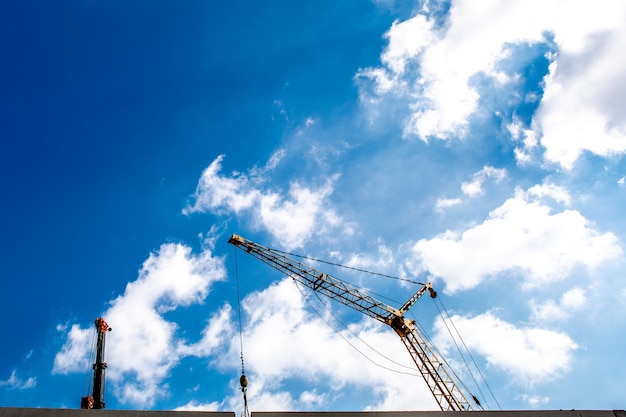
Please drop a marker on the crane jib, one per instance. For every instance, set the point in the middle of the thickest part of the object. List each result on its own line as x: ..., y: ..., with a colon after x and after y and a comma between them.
x: 434, y: 371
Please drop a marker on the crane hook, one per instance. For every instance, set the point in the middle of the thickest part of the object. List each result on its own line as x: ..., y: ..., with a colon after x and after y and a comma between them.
x: 243, y: 381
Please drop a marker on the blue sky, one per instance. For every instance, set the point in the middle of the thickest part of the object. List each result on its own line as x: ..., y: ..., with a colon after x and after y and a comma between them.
x: 477, y: 145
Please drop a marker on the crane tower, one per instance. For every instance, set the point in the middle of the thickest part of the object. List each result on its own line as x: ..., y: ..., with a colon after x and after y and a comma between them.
x: 96, y: 400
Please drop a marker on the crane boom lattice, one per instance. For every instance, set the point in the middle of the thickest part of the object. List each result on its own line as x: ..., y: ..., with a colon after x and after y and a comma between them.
x: 438, y: 378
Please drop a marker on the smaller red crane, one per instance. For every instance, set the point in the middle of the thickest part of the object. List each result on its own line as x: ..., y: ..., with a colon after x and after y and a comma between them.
x: 96, y: 400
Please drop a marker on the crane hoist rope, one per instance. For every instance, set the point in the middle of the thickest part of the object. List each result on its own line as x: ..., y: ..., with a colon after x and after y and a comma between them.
x: 435, y: 372
x: 92, y: 358
x: 243, y: 379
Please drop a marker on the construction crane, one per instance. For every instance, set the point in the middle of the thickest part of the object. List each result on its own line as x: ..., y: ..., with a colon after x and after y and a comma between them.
x: 96, y: 400
x: 435, y: 372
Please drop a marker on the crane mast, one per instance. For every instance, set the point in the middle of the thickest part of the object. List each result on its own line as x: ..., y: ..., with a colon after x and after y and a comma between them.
x: 439, y: 379
x: 96, y: 400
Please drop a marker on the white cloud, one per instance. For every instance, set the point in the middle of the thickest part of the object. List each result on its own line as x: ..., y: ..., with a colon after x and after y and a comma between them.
x: 534, y: 401
x: 581, y: 108
x: 553, y: 191
x: 229, y: 403
x: 143, y: 342
x: 529, y: 355
x: 74, y: 355
x: 547, y: 311
x: 444, y: 203
x: 406, y: 41
x: 198, y: 406
x: 312, y: 399
x: 269, y: 401
x: 383, y: 82
x: 472, y: 189
x: 273, y: 162
x: 217, y: 329
x: 475, y: 187
x: 380, y: 261
x: 447, y: 58
x: 574, y: 298
x: 520, y: 235
x: 15, y: 382
x: 214, y: 192
x: 524, y: 154
x: 550, y: 310
x: 291, y: 219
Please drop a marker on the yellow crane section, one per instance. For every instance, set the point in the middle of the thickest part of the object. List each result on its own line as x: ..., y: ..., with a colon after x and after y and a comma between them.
x: 435, y: 372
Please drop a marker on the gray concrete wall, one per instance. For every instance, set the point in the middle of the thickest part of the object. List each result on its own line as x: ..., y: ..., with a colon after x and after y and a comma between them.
x: 67, y: 412
x: 521, y: 413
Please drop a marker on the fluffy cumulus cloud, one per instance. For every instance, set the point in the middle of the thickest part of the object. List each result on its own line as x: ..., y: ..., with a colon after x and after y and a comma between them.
x: 434, y: 69
x: 143, y: 341
x: 551, y: 310
x: 444, y: 203
x: 74, y: 354
x: 214, y: 192
x: 582, y: 107
x: 475, y: 186
x: 523, y: 234
x: 529, y: 355
x: 291, y: 218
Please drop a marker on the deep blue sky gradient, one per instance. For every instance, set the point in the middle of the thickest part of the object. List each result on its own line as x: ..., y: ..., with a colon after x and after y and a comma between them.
x: 111, y: 110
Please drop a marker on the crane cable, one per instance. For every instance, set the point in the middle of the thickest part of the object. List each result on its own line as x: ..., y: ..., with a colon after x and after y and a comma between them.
x: 443, y: 310
x: 243, y: 379
x: 448, y: 366
x: 92, y: 360
x: 347, y: 267
x: 454, y: 340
